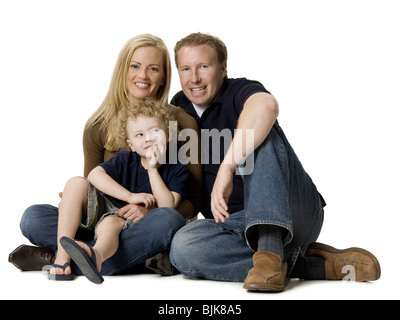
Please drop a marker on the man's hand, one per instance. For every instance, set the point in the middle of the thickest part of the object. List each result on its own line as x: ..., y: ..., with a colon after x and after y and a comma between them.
x: 220, y: 194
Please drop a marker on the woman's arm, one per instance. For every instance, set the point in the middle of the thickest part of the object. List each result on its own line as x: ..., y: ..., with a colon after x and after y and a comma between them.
x: 93, y: 148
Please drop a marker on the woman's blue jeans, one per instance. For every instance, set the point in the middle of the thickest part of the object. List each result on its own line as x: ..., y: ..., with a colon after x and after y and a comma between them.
x: 151, y: 235
x: 278, y: 192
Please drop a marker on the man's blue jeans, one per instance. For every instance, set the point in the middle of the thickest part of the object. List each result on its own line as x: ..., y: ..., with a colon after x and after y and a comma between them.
x: 151, y: 235
x: 278, y: 192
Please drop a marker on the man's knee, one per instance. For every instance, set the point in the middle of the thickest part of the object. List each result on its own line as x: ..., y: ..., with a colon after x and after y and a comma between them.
x: 186, y: 245
x: 179, y: 250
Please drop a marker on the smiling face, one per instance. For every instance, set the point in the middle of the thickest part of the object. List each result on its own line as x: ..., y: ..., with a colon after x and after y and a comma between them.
x: 147, y: 135
x: 146, y: 73
x: 200, y: 73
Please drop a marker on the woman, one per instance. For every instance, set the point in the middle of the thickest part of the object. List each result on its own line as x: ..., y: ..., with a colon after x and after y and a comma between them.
x: 142, y: 69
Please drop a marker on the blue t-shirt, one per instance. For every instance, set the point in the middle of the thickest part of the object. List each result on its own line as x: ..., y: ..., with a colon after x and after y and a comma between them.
x: 127, y: 170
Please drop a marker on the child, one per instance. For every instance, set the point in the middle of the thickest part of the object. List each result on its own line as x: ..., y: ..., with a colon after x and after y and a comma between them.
x: 138, y: 176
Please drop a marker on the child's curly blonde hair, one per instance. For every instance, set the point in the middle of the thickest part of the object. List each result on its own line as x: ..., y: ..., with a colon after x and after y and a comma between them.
x: 148, y: 107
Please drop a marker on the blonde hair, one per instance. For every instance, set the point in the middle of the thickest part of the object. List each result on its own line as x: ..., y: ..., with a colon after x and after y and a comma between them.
x: 108, y: 113
x: 198, y: 39
x: 148, y: 107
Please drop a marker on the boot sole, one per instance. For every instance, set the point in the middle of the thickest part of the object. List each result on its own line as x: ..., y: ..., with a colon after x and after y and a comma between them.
x: 265, y: 287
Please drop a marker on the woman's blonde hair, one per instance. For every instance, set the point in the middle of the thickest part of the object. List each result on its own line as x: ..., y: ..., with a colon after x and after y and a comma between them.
x: 108, y: 114
x: 148, y: 107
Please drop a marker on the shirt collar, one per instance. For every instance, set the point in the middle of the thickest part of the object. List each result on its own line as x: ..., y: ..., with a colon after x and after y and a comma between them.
x: 219, y: 98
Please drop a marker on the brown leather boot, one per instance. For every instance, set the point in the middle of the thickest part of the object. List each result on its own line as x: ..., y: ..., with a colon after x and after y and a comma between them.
x: 30, y: 258
x: 268, y: 274
x: 339, y: 262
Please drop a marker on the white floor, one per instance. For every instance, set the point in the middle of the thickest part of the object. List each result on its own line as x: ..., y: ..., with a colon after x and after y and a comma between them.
x: 34, y: 285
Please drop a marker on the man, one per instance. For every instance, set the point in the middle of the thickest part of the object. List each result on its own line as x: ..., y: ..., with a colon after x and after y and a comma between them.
x: 265, y: 221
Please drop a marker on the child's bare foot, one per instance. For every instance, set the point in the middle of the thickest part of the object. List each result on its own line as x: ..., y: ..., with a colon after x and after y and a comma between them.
x: 61, y: 269
x: 61, y: 259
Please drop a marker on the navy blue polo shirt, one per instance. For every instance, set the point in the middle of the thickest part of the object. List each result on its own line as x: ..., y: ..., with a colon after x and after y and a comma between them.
x: 223, y: 113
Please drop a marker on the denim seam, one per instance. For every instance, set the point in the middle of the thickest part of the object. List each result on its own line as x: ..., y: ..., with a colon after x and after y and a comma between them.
x: 293, y: 261
x: 311, y: 232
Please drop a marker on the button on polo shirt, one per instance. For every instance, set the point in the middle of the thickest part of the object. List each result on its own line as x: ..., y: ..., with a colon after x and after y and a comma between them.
x: 223, y: 113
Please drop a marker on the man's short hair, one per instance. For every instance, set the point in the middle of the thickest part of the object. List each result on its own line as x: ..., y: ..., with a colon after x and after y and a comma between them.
x: 198, y: 39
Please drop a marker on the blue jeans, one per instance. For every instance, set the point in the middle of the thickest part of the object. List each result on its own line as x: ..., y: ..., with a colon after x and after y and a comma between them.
x: 278, y: 192
x: 151, y: 235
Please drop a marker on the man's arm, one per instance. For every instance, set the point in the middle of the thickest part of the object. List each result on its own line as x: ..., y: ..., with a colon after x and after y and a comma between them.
x: 259, y: 115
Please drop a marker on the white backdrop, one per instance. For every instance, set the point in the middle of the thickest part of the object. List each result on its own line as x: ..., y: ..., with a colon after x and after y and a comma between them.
x: 332, y: 65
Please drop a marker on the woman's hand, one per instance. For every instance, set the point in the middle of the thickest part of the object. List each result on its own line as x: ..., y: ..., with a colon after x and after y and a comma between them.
x: 133, y: 212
